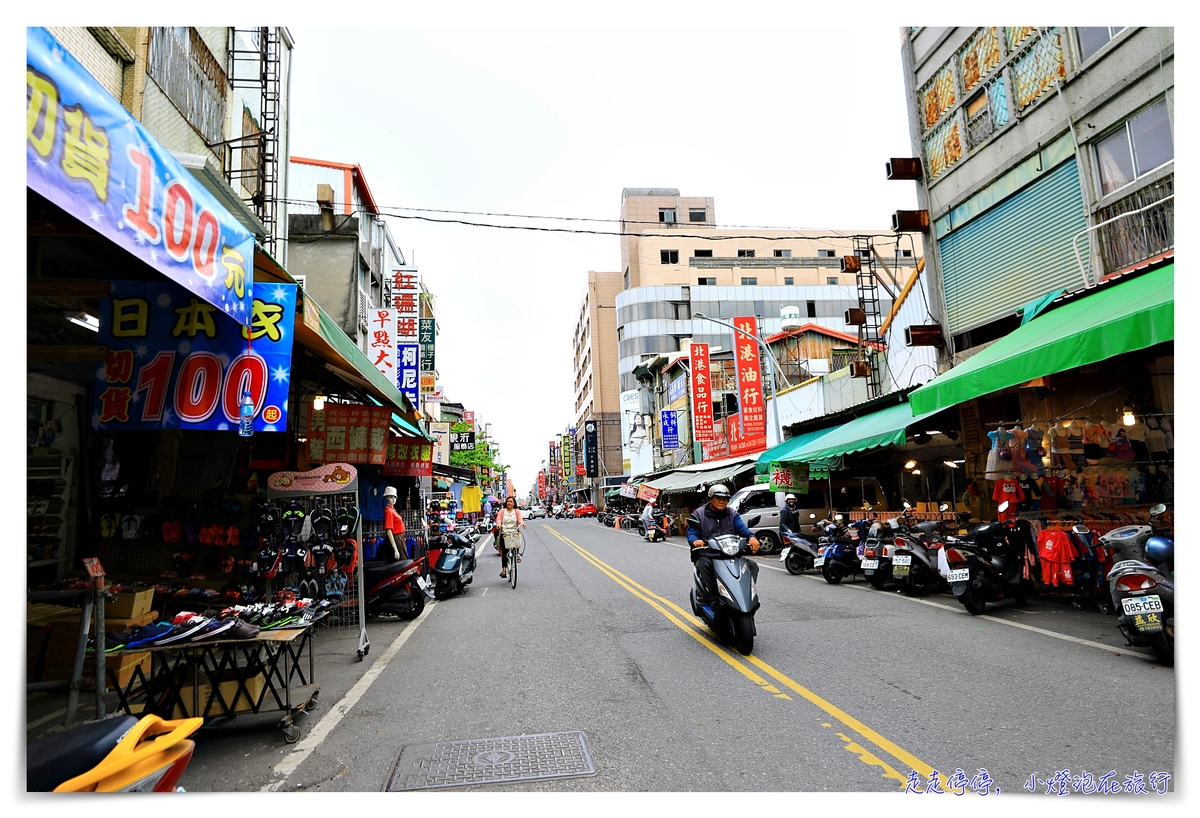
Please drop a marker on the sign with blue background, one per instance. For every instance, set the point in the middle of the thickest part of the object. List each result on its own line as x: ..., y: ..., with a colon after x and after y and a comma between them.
x: 670, y: 429
x: 89, y: 156
x: 177, y: 362
x: 677, y: 389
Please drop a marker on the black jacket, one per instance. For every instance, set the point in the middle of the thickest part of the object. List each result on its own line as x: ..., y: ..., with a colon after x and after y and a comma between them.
x: 789, y: 518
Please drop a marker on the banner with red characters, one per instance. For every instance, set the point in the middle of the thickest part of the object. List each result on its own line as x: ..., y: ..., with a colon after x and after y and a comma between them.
x: 702, y: 414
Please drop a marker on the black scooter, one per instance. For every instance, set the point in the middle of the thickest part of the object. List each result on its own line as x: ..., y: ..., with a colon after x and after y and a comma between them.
x: 987, y: 568
x: 452, y: 566
x: 392, y: 588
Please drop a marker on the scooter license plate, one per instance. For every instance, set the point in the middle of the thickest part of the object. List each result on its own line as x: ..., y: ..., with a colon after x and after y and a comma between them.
x: 818, y: 562
x: 902, y: 559
x: 899, y: 570
x: 1142, y: 605
x: 871, y: 565
x: 959, y: 575
x: 783, y: 554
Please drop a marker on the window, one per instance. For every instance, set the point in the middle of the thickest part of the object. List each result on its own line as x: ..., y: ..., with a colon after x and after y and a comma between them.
x: 906, y: 254
x: 783, y: 254
x: 759, y: 499
x: 824, y: 254
x: 788, y: 281
x: 1093, y: 39
x: 745, y: 254
x: 707, y: 282
x: 831, y: 280
x: 749, y: 281
x: 702, y: 254
x: 697, y: 214
x: 626, y: 278
x: 1140, y: 145
x: 669, y: 256
x: 682, y: 311
x: 666, y: 215
x: 864, y: 254
x: 620, y: 334
x: 812, y: 308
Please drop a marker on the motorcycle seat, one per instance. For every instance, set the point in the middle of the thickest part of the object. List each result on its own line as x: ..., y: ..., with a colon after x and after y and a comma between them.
x: 63, y: 756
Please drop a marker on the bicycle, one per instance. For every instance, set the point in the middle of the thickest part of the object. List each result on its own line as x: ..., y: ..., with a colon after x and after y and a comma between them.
x: 512, y: 555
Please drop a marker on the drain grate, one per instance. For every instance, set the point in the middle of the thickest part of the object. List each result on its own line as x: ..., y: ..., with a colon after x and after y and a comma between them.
x: 492, y: 761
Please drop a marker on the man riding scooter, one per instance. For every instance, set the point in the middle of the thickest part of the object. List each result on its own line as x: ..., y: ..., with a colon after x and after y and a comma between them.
x: 650, y: 530
x: 713, y: 519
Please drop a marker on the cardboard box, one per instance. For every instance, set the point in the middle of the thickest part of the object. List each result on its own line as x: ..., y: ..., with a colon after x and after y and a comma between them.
x: 60, y: 660
x: 229, y: 689
x: 130, y: 605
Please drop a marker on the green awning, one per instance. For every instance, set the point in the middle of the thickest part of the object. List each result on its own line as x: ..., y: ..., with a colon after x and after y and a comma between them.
x: 883, y: 428
x: 787, y: 448
x: 1129, y: 316
x: 409, y: 429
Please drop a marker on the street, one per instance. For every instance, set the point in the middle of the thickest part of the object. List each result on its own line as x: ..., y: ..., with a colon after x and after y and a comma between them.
x: 848, y: 689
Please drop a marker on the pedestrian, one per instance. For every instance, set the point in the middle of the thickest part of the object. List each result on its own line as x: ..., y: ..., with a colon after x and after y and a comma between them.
x: 393, y: 523
x: 714, y: 519
x: 508, y: 523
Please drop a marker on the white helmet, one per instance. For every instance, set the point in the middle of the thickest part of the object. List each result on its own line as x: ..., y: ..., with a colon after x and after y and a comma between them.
x: 789, y: 497
x: 718, y: 490
x: 649, y: 502
x: 389, y: 491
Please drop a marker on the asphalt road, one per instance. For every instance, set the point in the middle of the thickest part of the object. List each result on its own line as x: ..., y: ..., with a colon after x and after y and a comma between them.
x: 849, y: 689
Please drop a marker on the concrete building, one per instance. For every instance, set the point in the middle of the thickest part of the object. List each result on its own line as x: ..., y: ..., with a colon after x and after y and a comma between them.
x: 596, y: 383
x: 1034, y: 142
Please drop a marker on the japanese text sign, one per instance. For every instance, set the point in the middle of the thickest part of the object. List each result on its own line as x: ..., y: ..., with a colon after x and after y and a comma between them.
x: 789, y: 477
x: 702, y: 415
x: 751, y: 400
x: 670, y: 429
x: 89, y: 156
x: 176, y: 362
x: 349, y: 433
x: 408, y: 457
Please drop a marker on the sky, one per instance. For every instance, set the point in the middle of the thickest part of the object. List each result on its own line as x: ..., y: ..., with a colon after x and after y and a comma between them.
x: 783, y: 125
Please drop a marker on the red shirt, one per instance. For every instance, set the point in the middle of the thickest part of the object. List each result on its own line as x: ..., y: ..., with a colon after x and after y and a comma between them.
x: 1010, y: 490
x: 392, y: 520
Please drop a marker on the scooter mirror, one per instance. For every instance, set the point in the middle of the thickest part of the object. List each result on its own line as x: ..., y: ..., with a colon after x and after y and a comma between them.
x: 753, y: 521
x: 1003, y: 507
x: 812, y: 516
x: 1156, y: 509
x: 907, y: 504
x: 1079, y: 528
x: 944, y: 507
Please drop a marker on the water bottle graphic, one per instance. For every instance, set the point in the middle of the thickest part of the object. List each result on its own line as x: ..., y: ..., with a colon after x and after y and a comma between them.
x: 246, y: 414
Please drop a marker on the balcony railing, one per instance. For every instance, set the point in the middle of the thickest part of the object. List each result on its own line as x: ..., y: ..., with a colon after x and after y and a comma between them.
x: 1132, y: 229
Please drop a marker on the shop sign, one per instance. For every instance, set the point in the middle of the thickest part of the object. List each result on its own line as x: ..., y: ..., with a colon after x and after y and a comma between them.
x: 408, y: 457
x: 407, y: 372
x: 331, y: 478
x: 89, y: 156
x: 789, y: 477
x: 718, y: 447
x: 670, y: 429
x: 751, y: 400
x: 469, y: 419
x: 580, y: 469
x: 676, y: 389
x: 741, y: 444
x: 427, y: 337
x: 405, y: 297
x: 629, y: 491
x: 567, y: 452
x: 436, y: 396
x: 553, y: 456
x: 645, y: 492
x: 462, y: 441
x: 591, y: 449
x: 176, y: 362
x: 349, y: 433
x: 441, y: 442
x: 702, y: 416
x: 381, y: 342
x: 427, y: 381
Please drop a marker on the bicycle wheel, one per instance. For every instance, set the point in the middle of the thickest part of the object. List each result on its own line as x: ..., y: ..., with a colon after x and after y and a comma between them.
x: 512, y: 566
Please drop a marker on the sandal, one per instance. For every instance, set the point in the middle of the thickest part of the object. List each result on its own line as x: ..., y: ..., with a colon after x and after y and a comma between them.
x: 504, y: 575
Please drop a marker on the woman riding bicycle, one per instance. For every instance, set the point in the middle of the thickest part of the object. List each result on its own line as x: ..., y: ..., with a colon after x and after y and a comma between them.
x: 508, y: 524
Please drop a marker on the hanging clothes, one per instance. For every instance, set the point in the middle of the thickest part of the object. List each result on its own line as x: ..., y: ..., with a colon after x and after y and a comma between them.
x: 1008, y: 489
x: 1034, y: 448
x: 999, y: 462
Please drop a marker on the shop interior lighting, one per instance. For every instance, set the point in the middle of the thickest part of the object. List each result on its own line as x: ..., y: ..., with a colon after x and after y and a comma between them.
x: 916, y: 471
x: 912, y: 464
x: 950, y: 464
x: 85, y: 320
x: 319, y: 403
x: 1127, y: 416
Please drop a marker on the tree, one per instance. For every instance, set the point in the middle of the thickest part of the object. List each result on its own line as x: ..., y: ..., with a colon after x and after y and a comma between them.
x: 479, y: 456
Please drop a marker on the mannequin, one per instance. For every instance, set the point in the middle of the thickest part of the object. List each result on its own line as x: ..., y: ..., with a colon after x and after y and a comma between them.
x: 1156, y: 438
x: 998, y: 465
x: 1060, y: 447
x: 1034, y: 450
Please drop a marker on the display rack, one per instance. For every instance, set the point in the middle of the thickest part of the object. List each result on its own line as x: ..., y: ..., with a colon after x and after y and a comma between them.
x: 49, y: 528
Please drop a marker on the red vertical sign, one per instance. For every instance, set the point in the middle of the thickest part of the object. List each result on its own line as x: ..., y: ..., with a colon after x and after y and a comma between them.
x: 751, y: 399
x: 702, y: 416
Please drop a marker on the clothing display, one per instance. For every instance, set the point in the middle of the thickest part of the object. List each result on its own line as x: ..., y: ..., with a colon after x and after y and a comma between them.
x: 1034, y: 448
x: 999, y: 462
x: 1075, y: 445
x: 1060, y: 447
x: 1156, y: 438
x: 1008, y: 489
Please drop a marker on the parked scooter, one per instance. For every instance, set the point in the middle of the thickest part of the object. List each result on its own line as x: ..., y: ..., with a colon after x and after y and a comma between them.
x: 799, y: 553
x: 731, y: 615
x: 877, y: 552
x: 120, y: 754
x: 987, y: 568
x: 1142, y: 584
x: 393, y: 589
x: 839, y: 557
x: 452, y: 566
x: 915, y: 554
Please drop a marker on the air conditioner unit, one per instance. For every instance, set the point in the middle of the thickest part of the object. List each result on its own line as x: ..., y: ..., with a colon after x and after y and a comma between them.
x: 907, y: 168
x: 301, y: 280
x: 362, y: 311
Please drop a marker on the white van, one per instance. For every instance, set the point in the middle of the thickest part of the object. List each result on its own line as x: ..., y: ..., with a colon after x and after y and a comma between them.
x: 758, y: 500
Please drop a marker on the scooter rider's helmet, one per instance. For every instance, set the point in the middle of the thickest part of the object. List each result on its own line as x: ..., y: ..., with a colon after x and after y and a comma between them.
x: 718, y: 490
x: 791, y: 498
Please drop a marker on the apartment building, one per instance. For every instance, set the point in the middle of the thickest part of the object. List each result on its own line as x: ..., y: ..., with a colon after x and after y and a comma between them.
x: 595, y: 367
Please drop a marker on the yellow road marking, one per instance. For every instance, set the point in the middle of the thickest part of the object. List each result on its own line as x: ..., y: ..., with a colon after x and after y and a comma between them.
x: 692, y: 628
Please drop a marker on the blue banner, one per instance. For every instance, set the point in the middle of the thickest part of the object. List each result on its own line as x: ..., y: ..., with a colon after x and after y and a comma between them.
x: 677, y: 389
x: 670, y: 429
x: 176, y: 362
x: 89, y: 156
x: 408, y: 371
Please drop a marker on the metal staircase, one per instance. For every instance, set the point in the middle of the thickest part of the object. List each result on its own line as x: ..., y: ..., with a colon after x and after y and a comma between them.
x: 869, y: 338
x: 253, y: 56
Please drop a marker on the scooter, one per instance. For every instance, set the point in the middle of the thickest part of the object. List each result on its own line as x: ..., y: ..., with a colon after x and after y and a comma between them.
x: 731, y: 615
x: 877, y: 553
x: 452, y: 566
x: 1142, y: 586
x: 120, y: 754
x: 798, y: 554
x: 652, y: 532
x: 986, y: 569
x: 839, y: 557
x: 393, y: 588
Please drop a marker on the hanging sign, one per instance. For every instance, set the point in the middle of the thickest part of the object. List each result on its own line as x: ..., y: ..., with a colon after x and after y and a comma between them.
x: 427, y: 337
x: 741, y: 444
x: 177, y: 362
x: 751, y: 400
x: 789, y: 477
x: 702, y: 416
x: 567, y: 451
x: 676, y: 389
x: 591, y: 449
x: 441, y: 442
x: 92, y: 158
x: 408, y: 457
x: 670, y: 429
x: 381, y: 342
x: 629, y: 491
x: 469, y: 419
x: 427, y: 385
x: 348, y: 433
x: 408, y: 371
x: 645, y: 492
x: 462, y: 441
x: 330, y: 479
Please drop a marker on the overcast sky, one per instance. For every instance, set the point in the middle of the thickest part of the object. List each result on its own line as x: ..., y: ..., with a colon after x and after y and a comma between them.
x: 784, y: 125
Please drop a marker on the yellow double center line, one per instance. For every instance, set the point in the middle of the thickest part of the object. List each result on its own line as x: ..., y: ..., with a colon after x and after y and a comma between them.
x: 688, y: 623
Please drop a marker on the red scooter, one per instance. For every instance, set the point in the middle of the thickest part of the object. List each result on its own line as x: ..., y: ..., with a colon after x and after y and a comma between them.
x: 393, y: 589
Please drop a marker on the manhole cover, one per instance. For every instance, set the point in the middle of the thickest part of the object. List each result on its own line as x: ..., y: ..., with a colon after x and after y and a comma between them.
x: 492, y: 761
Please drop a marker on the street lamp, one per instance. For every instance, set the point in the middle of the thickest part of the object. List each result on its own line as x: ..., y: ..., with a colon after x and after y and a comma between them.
x: 770, y: 362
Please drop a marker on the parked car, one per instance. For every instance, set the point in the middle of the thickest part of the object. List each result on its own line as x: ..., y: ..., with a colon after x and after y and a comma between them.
x: 585, y: 510
x: 534, y: 512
